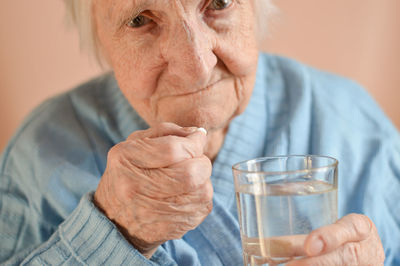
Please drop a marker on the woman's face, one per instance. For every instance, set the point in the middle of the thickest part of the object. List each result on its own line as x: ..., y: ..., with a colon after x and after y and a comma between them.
x: 191, y: 62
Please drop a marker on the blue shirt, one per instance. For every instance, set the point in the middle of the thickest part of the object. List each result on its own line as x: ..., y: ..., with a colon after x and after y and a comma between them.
x: 51, y: 167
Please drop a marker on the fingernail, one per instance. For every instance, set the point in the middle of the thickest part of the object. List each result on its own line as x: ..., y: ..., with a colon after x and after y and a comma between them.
x: 315, y: 247
x: 202, y: 130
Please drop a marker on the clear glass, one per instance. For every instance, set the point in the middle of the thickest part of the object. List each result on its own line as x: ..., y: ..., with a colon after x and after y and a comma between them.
x: 280, y: 200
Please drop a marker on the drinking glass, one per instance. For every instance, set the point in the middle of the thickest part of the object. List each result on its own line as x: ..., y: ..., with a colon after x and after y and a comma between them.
x: 280, y: 200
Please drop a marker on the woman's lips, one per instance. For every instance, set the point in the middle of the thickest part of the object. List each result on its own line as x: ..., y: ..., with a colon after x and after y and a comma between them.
x: 207, y: 88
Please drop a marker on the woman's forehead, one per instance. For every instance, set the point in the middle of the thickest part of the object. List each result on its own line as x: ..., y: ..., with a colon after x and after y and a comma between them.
x: 115, y: 7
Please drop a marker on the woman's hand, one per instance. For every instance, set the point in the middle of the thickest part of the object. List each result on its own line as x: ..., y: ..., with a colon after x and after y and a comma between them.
x: 352, y: 240
x: 156, y: 185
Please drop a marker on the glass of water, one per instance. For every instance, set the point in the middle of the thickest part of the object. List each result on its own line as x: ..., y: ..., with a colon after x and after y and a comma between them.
x: 280, y: 200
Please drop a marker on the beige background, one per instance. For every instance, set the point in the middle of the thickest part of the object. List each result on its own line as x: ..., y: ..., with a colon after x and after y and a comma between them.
x: 355, y: 38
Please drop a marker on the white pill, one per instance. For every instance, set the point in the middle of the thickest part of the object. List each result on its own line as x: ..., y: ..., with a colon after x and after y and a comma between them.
x: 202, y: 130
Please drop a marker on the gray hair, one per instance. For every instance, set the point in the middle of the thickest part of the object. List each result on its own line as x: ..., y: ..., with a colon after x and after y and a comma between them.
x: 79, y: 14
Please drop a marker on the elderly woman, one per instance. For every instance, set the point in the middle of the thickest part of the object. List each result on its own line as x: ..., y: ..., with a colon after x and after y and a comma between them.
x: 134, y: 167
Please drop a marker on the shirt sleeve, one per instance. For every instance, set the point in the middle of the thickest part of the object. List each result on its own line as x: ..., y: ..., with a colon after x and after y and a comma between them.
x: 86, y: 237
x: 382, y: 199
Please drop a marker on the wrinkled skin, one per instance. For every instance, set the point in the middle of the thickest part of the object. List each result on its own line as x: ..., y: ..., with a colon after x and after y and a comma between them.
x: 157, y: 185
x: 192, y: 66
x: 189, y: 64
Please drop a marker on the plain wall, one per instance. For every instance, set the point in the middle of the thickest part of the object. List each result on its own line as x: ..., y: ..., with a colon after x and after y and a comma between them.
x: 359, y: 39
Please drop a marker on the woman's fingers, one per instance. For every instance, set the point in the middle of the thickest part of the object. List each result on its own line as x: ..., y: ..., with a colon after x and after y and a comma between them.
x: 353, y: 253
x: 350, y: 228
x: 352, y: 240
x: 178, y: 203
x: 159, y: 152
x: 181, y: 182
x: 162, y: 129
x: 184, y: 177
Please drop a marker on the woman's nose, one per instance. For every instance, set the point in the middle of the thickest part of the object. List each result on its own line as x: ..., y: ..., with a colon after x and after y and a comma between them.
x: 188, y: 51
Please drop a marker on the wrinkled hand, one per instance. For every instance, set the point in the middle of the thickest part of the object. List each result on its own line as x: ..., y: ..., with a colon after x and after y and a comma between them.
x: 156, y: 185
x: 352, y: 240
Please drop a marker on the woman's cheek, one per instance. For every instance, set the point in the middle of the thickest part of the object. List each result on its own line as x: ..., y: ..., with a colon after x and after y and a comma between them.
x: 136, y: 72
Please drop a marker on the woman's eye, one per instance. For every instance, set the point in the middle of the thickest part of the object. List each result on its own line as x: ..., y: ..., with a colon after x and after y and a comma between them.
x: 138, y: 21
x: 219, y: 4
